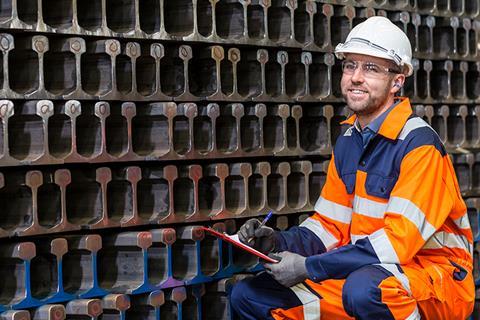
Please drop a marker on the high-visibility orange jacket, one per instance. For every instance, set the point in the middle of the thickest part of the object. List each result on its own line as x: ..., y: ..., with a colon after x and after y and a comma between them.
x: 394, y: 202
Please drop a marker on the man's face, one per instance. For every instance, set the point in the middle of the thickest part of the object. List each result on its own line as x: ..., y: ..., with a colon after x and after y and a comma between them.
x: 366, y: 93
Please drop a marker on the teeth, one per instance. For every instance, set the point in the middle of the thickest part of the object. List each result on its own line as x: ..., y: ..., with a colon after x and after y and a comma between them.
x: 358, y: 91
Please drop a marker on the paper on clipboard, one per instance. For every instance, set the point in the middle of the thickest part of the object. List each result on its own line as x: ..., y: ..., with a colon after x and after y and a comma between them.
x: 233, y: 239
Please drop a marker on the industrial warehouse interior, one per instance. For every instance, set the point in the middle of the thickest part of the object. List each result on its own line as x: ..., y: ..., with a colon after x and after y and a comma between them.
x: 127, y: 126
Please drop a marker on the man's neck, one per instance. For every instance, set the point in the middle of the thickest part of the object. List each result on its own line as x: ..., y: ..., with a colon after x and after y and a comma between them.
x: 364, y: 120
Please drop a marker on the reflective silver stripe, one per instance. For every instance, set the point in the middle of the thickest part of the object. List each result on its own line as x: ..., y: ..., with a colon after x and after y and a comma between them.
x: 333, y: 210
x: 389, y: 52
x: 348, y: 132
x: 411, y: 125
x: 369, y: 208
x: 392, y: 268
x: 443, y: 239
x: 415, y: 315
x: 463, y: 222
x: 410, y: 211
x: 310, y: 302
x: 356, y: 237
x: 383, y: 247
x: 329, y: 241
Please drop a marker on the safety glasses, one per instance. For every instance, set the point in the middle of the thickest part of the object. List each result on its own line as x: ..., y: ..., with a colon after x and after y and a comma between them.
x: 369, y: 69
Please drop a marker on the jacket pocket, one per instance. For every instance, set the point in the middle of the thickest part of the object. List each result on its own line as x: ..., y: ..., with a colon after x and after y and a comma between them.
x: 440, y: 279
x: 379, y: 186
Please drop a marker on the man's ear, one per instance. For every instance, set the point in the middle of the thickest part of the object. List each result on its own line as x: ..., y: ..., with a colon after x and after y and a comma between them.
x: 398, y: 82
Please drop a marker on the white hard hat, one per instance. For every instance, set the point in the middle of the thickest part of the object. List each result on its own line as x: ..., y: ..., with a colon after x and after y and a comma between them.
x: 379, y: 37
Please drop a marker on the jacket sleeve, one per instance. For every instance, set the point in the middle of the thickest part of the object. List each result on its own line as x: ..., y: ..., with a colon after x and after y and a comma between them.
x: 329, y: 227
x: 419, y: 204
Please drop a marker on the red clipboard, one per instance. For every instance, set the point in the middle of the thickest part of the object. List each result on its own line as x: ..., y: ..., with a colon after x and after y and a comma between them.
x: 238, y: 244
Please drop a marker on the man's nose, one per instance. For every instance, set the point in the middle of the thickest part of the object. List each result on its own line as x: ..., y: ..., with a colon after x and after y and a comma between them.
x: 358, y: 76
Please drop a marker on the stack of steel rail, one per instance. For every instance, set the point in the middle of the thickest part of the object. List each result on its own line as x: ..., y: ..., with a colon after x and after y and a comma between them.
x: 127, y: 124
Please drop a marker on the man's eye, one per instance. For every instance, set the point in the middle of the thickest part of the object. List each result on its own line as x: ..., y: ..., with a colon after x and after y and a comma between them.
x: 372, y: 68
x: 350, y: 66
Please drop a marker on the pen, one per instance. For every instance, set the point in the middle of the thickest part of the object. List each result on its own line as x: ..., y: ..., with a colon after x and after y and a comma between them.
x: 269, y: 215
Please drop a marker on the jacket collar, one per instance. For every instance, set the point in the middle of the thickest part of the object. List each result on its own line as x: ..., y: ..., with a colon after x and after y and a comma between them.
x: 394, y: 121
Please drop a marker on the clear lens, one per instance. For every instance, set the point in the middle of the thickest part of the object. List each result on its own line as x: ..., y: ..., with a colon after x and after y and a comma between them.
x: 369, y: 69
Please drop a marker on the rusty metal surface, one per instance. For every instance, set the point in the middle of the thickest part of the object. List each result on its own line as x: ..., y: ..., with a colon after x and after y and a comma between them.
x: 266, y: 22
x: 100, y: 198
x: 87, y: 69
x: 50, y: 312
x: 74, y: 132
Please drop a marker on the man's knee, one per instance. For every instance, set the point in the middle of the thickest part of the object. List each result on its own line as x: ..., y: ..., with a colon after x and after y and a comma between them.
x: 238, y: 297
x: 255, y: 297
x: 361, y: 292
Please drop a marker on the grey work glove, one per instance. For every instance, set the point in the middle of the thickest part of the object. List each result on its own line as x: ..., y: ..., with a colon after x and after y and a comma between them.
x: 261, y: 239
x: 291, y: 269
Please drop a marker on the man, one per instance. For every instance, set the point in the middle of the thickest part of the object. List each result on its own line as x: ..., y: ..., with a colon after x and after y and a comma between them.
x: 390, y: 237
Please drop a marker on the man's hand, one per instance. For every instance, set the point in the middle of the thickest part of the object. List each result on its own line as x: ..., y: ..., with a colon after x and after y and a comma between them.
x: 260, y: 238
x: 290, y: 270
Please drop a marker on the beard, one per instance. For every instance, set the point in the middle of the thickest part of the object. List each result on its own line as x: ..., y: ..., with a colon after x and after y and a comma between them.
x: 371, y: 105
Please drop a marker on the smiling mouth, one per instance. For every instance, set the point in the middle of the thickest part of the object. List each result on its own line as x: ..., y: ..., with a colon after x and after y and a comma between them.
x: 357, y: 91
